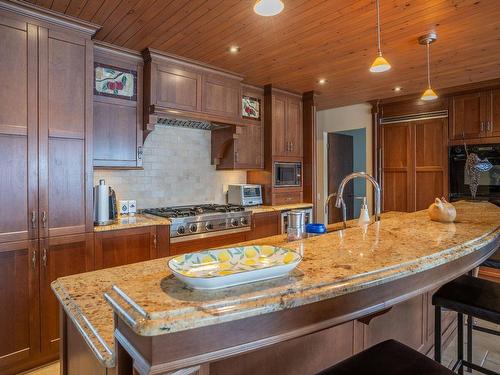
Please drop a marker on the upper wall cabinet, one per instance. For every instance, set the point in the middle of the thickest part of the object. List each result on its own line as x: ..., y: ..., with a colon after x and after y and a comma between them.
x: 476, y: 116
x: 118, y: 108
x: 180, y: 88
x: 45, y: 125
x: 284, y: 122
x: 241, y: 147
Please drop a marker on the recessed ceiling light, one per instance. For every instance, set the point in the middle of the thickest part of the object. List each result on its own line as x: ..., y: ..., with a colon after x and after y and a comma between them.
x: 268, y: 8
x: 234, y: 49
x: 397, y: 89
x: 322, y: 81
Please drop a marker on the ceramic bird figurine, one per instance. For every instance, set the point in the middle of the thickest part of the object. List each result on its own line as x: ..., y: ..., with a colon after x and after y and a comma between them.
x: 442, y: 211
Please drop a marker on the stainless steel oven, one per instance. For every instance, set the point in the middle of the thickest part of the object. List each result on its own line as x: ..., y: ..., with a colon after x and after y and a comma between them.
x: 287, y: 174
x: 489, y: 183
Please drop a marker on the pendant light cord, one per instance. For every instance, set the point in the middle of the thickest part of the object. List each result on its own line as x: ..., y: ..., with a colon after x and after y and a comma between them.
x: 378, y: 28
x: 428, y: 65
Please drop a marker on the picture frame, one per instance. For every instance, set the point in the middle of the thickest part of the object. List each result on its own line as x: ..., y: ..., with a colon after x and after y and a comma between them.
x: 115, y: 82
x: 250, y: 107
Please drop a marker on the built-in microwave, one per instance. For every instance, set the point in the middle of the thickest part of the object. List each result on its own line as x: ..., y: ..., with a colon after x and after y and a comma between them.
x: 287, y: 174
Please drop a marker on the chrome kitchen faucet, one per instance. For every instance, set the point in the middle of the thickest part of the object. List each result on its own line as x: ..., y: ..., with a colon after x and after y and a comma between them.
x: 339, y: 203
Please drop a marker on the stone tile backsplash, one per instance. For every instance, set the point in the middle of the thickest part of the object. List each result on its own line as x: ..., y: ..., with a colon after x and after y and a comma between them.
x: 177, y: 171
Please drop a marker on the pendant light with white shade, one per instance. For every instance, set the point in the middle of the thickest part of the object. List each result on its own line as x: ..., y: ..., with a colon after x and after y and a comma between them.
x: 427, y: 40
x: 380, y: 64
x: 268, y: 8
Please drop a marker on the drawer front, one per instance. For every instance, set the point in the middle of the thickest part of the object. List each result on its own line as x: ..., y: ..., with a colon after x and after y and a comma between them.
x: 287, y: 198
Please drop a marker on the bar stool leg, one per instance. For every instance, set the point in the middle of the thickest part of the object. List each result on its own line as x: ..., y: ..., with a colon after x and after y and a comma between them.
x: 437, y: 334
x: 460, y: 343
x: 469, y: 341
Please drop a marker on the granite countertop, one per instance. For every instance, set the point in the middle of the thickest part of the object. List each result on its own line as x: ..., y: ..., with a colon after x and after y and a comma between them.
x: 138, y: 220
x: 282, y: 207
x: 337, y: 263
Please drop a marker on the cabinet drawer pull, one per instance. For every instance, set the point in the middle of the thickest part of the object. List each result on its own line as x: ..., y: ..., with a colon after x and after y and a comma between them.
x: 44, y: 257
x: 33, y: 219
x: 44, y: 219
x: 33, y: 259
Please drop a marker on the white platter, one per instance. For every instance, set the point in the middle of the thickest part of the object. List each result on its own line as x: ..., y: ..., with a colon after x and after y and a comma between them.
x: 222, y: 268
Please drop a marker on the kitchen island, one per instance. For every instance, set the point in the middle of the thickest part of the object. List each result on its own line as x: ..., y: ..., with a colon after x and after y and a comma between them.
x: 353, y: 288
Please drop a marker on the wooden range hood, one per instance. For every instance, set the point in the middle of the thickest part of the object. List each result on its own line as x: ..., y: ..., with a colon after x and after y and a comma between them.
x: 189, y: 92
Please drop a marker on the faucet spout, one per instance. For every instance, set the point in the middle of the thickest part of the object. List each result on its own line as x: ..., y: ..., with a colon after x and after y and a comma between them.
x: 339, y: 203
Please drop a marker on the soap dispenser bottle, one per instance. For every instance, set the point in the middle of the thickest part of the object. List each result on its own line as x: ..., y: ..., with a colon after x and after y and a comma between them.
x: 364, y: 215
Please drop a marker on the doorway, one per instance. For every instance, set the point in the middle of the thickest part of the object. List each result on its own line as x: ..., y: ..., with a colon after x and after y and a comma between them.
x: 346, y: 154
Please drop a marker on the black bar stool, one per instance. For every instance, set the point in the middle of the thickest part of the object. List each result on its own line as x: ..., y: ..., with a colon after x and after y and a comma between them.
x: 493, y: 261
x: 477, y: 298
x: 388, y: 358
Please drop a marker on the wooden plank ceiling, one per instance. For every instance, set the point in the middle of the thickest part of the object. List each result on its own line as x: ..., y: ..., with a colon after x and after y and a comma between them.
x: 311, y: 39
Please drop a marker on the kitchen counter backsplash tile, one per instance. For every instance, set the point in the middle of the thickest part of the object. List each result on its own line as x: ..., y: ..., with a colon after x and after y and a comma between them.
x: 177, y: 171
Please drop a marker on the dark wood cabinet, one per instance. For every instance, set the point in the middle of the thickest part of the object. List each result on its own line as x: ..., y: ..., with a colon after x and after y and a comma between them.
x: 119, y: 247
x: 286, y: 125
x: 241, y: 147
x: 221, y: 96
x: 19, y: 318
x: 59, y: 256
x: 45, y: 173
x: 414, y: 163
x: 265, y: 224
x: 18, y: 131
x: 283, y: 142
x: 176, y: 87
x: 476, y: 116
x: 294, y: 126
x: 118, y: 135
x: 493, y: 125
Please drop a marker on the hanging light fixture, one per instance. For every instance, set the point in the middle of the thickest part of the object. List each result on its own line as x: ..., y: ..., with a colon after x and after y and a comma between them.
x: 380, y: 64
x: 268, y: 8
x: 427, y: 40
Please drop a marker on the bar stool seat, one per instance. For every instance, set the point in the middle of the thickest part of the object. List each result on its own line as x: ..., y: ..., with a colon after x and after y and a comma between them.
x: 477, y: 298
x: 493, y: 261
x: 471, y: 296
x: 388, y: 358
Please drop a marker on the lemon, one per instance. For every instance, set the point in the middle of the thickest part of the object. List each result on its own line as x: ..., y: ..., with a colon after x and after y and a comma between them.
x: 249, y: 262
x: 288, y: 258
x: 250, y: 253
x: 223, y: 256
x: 206, y: 259
x: 225, y: 272
x: 267, y: 251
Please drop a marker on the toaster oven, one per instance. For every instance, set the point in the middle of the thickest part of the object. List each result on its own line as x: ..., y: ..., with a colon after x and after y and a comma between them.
x: 244, y: 195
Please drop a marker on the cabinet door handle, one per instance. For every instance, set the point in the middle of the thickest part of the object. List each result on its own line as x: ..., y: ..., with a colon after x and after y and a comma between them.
x: 44, y: 257
x: 482, y: 126
x: 236, y: 156
x: 139, y: 152
x: 154, y: 240
x: 44, y: 219
x: 33, y: 219
x: 488, y: 126
x: 291, y: 146
x: 33, y: 259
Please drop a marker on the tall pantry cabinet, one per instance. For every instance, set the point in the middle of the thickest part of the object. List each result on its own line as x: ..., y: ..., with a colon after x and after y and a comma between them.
x: 45, y: 174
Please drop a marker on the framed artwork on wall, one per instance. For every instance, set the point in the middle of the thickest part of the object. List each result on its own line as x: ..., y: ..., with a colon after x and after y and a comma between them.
x: 115, y: 82
x: 250, y: 107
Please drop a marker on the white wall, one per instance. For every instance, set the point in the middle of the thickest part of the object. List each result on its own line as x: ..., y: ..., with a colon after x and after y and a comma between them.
x: 177, y: 171
x: 339, y: 119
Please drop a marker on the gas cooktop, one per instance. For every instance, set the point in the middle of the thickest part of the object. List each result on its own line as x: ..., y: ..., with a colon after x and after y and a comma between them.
x: 205, y: 220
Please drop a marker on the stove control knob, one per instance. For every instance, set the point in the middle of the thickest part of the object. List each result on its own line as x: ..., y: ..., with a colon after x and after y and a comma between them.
x: 181, y: 230
x: 244, y: 221
x: 209, y: 226
x: 234, y: 223
x: 193, y: 228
